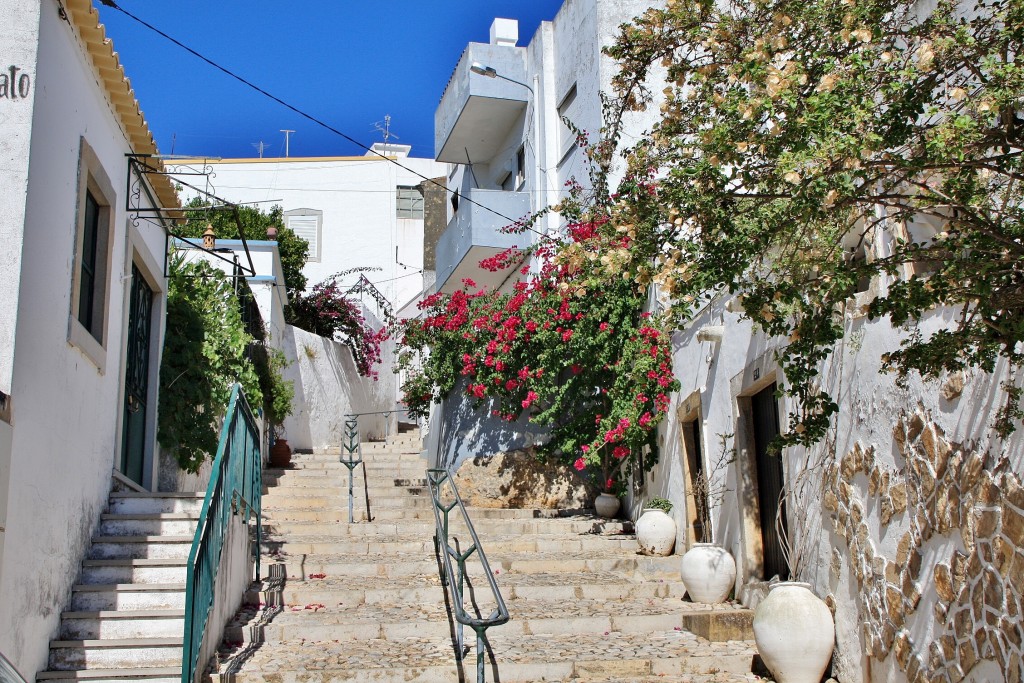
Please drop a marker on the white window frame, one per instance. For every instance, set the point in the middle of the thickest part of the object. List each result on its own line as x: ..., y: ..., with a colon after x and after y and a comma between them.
x: 398, y: 202
x: 93, y: 180
x: 315, y: 249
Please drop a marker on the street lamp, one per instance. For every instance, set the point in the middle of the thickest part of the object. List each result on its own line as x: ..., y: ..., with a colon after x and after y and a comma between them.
x: 490, y: 72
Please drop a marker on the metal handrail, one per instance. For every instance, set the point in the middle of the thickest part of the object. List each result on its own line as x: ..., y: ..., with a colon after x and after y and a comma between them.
x: 456, y: 582
x: 350, y: 448
x: 386, y: 413
x: 236, y: 485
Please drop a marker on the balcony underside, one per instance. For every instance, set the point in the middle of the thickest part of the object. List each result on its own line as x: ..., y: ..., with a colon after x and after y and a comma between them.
x: 474, y: 136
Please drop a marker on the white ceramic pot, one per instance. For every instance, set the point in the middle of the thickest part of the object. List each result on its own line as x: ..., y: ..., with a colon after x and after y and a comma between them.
x: 656, y: 532
x: 709, y: 573
x: 795, y: 633
x: 606, y: 505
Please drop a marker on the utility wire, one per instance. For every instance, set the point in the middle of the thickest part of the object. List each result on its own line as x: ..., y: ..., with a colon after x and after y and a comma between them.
x: 309, y: 117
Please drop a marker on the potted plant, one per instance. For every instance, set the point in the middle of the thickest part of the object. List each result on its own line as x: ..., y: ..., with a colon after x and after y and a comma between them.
x: 278, y: 394
x: 656, y: 530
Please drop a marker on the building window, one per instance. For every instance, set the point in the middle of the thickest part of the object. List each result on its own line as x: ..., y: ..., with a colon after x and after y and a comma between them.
x: 567, y: 110
x: 520, y: 168
x: 93, y: 240
x: 410, y: 203
x: 307, y: 224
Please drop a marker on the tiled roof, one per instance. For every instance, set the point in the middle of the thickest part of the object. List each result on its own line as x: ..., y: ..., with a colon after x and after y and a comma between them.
x: 85, y: 19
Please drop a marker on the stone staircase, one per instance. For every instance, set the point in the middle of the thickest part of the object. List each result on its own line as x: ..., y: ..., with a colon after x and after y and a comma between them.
x: 363, y: 602
x: 127, y: 612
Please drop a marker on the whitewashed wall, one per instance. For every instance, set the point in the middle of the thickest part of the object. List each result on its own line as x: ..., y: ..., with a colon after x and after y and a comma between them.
x: 66, y: 410
x: 21, y: 28
x: 872, y: 409
x: 327, y: 387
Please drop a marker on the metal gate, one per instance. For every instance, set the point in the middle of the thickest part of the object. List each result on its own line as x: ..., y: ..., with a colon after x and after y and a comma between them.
x: 764, y: 408
x: 136, y: 378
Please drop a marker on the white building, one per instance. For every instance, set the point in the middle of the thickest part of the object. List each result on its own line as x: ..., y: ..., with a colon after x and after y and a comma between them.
x: 82, y: 292
x: 499, y: 128
x: 355, y: 212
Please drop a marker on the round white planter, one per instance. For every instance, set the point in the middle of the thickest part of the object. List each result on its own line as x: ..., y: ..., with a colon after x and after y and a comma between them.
x: 606, y: 505
x: 709, y: 573
x: 795, y: 633
x: 656, y: 532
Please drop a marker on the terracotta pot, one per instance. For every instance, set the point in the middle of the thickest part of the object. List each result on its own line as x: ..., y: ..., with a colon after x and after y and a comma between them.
x: 606, y: 505
x: 280, y: 454
x: 656, y: 532
x: 795, y: 633
x: 709, y: 573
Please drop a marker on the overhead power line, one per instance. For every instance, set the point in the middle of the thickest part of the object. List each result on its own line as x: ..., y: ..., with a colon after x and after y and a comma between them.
x: 303, y: 114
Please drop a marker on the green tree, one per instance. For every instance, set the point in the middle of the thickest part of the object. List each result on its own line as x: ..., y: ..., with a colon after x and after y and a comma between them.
x: 204, y: 355
x: 794, y: 137
x: 293, y: 249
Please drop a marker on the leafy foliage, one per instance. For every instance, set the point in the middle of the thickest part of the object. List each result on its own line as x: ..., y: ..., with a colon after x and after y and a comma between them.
x: 807, y: 149
x: 573, y: 352
x: 293, y: 249
x: 204, y: 355
x: 326, y: 311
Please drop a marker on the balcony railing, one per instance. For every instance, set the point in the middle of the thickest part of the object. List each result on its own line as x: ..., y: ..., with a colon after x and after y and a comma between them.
x: 476, y: 234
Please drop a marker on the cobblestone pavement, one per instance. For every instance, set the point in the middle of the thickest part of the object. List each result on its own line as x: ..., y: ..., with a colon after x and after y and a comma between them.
x: 364, y: 602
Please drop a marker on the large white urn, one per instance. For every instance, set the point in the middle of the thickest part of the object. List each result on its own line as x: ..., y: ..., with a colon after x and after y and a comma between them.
x: 709, y: 573
x: 656, y: 532
x: 795, y: 633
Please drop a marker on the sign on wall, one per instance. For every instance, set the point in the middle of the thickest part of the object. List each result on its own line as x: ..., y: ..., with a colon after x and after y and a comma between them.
x: 18, y: 64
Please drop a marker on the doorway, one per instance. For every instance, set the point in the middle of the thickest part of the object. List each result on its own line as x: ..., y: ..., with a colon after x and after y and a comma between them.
x: 136, y: 378
x: 764, y: 408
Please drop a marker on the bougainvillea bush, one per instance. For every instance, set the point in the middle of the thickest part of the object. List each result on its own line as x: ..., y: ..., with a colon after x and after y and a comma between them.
x: 326, y: 311
x: 572, y: 351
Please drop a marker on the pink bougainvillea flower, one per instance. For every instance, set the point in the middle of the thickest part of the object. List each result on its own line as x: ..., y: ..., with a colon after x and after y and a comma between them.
x: 579, y: 464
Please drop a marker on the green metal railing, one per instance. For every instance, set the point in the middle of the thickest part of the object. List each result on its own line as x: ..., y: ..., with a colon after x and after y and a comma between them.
x: 456, y: 581
x: 235, y: 488
x: 351, y: 457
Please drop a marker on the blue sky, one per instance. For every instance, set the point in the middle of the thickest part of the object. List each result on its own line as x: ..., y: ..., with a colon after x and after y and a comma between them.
x: 345, y: 62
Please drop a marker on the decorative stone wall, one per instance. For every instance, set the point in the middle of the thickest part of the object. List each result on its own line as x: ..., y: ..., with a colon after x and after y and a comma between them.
x: 519, y: 479
x: 943, y: 490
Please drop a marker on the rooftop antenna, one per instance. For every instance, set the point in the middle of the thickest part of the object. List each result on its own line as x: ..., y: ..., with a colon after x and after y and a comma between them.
x: 286, y: 134
x: 385, y: 129
x: 260, y: 146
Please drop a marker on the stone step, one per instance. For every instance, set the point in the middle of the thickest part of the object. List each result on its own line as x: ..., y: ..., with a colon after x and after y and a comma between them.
x: 401, y: 454
x: 144, y: 570
x: 115, y: 653
x: 426, y: 589
x: 138, y: 547
x: 96, y: 624
x: 127, y: 596
x: 152, y: 503
x: 320, y: 620
x: 599, y: 656
x: 417, y: 545
x: 340, y: 488
x: 149, y: 524
x: 300, y: 565
x: 336, y: 521
x: 168, y: 674
x: 329, y: 498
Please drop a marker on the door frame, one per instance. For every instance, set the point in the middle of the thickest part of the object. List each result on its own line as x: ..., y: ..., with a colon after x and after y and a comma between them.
x: 138, y: 254
x: 756, y: 376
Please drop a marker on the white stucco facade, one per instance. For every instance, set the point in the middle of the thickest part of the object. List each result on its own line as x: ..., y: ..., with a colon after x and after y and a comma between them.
x: 61, y: 433
x: 350, y: 207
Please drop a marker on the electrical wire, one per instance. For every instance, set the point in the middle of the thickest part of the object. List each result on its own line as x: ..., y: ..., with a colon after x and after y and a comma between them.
x: 112, y: 4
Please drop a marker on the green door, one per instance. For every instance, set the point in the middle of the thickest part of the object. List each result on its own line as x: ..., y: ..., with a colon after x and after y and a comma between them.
x: 136, y: 378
